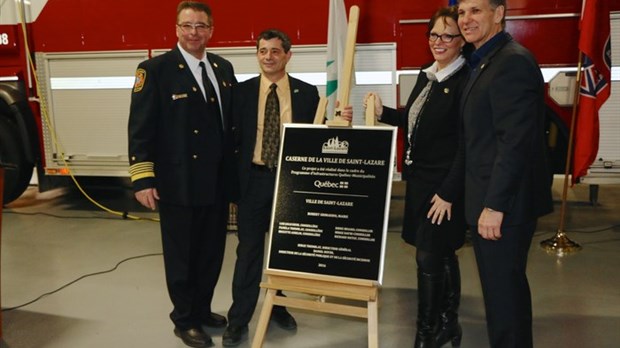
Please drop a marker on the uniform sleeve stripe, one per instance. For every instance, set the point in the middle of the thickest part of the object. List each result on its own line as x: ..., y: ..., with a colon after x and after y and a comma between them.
x: 141, y: 170
x: 136, y: 177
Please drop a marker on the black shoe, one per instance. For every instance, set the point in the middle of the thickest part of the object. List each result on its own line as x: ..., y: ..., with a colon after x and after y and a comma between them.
x: 214, y: 320
x: 449, y: 334
x: 194, y: 337
x: 234, y: 335
x: 283, y: 318
x: 430, y: 287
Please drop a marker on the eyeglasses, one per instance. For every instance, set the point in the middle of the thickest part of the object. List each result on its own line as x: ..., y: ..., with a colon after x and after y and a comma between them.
x: 444, y: 37
x: 188, y: 27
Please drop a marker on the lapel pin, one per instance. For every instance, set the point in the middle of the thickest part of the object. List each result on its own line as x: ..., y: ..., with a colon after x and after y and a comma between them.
x: 446, y: 90
x: 181, y: 66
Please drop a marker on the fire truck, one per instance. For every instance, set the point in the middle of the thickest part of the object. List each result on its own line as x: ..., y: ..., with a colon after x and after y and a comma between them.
x: 67, y: 69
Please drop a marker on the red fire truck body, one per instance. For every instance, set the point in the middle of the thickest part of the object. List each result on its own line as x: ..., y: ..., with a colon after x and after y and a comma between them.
x: 67, y: 111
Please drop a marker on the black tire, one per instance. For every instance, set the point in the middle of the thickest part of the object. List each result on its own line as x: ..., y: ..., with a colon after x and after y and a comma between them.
x: 17, y: 176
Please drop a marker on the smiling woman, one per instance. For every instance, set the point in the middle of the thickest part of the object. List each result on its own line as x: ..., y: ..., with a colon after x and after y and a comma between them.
x: 434, y: 218
x: 445, y: 41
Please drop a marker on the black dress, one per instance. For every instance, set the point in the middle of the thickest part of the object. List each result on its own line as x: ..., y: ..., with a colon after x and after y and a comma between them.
x: 435, y: 142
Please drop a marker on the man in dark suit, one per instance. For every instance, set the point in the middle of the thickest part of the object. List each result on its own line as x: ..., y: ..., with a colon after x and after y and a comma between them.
x: 180, y: 153
x: 256, y: 149
x: 507, y: 182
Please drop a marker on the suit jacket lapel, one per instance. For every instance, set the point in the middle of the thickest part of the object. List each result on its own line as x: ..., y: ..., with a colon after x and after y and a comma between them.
x: 185, y: 71
x: 473, y: 76
x: 224, y: 95
x: 222, y: 83
x: 296, y: 97
x: 251, y: 109
x: 480, y: 69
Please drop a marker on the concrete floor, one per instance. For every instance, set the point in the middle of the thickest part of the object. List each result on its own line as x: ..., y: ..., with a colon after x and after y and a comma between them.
x: 52, y: 239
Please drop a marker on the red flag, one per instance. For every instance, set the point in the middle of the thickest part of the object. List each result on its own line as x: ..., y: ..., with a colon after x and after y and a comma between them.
x: 594, y: 43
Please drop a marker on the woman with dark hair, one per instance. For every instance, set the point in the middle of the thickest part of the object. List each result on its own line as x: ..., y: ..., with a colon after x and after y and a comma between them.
x: 434, y: 219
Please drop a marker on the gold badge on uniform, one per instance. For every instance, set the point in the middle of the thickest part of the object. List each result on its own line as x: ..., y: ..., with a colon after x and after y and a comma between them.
x: 179, y: 96
x: 140, y: 78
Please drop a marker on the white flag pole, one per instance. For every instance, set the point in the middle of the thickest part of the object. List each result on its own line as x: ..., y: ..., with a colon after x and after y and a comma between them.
x: 347, y: 67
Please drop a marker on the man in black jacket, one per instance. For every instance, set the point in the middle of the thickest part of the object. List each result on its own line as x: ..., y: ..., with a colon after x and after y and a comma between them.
x: 257, y: 146
x: 507, y: 182
x: 180, y: 155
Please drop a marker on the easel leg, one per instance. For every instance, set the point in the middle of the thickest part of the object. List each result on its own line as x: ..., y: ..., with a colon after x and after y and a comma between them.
x: 263, y: 320
x: 373, y: 324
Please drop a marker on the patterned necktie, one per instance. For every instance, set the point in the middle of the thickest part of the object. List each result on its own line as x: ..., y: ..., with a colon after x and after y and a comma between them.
x: 210, y: 95
x: 271, y: 128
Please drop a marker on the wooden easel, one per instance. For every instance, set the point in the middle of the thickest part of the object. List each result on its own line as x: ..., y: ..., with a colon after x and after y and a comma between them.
x: 361, y: 290
x: 369, y: 114
x: 344, y: 288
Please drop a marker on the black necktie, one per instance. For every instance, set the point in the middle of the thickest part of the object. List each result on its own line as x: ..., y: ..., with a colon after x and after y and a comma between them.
x: 271, y: 128
x: 210, y: 94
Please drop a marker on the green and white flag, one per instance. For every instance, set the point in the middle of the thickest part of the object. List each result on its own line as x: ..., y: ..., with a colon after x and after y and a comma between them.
x: 336, y: 40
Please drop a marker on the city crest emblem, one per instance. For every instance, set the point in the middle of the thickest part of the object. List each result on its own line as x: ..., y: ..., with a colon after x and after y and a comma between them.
x: 139, y: 82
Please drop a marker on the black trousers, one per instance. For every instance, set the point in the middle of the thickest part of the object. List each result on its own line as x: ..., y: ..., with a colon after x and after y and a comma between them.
x: 507, y: 298
x: 194, y: 240
x: 253, y: 217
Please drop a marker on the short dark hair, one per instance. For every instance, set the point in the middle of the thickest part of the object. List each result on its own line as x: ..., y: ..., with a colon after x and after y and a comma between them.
x: 196, y: 6
x: 444, y: 13
x: 274, y: 34
x: 495, y: 4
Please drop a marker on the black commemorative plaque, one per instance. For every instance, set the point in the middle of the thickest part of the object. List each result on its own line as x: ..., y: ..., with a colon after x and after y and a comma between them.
x: 331, y: 201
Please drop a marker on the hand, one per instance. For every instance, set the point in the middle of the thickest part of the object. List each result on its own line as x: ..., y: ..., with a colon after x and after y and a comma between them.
x: 489, y: 224
x: 148, y: 197
x: 346, y: 113
x: 378, y: 103
x: 439, y: 210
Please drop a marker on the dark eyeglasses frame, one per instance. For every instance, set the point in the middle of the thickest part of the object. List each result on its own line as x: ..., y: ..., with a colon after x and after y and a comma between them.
x: 447, y: 38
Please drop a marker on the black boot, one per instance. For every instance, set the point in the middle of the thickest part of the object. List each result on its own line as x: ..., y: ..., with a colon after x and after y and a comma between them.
x: 449, y: 328
x: 430, y: 287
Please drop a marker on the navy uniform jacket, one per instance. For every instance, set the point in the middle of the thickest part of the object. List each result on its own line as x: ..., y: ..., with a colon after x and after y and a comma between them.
x: 304, y: 101
x: 175, y: 144
x: 503, y: 118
